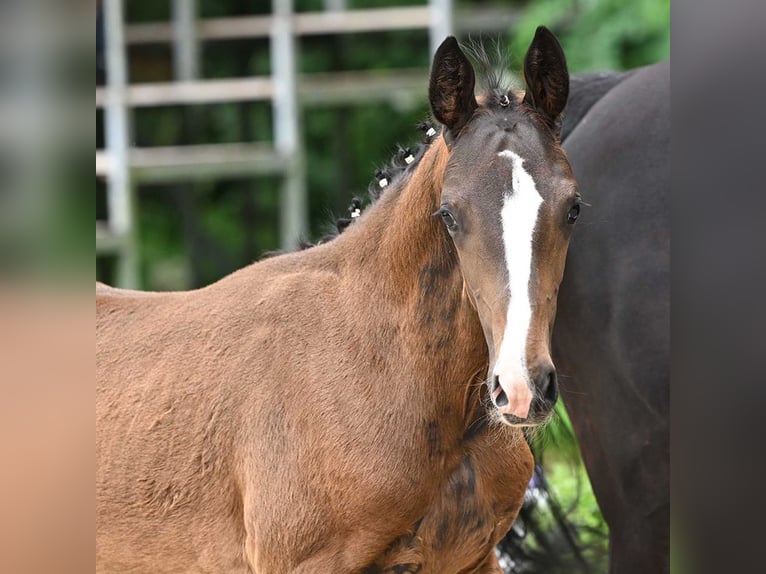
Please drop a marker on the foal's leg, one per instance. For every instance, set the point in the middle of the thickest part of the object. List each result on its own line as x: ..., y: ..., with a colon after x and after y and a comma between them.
x: 347, y: 554
x: 350, y: 556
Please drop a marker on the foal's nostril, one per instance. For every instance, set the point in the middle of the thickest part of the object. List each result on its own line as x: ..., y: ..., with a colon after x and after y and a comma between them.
x: 501, y: 399
x: 548, y: 385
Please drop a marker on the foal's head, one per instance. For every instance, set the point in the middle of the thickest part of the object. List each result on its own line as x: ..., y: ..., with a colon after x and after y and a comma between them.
x: 508, y: 202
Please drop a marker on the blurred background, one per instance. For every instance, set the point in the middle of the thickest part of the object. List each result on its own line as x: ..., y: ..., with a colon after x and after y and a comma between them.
x: 228, y: 129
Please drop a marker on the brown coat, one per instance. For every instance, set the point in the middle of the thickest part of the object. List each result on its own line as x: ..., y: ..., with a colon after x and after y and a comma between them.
x: 286, y: 419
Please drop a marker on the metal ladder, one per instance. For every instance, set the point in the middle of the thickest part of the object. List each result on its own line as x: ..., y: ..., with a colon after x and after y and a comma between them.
x: 123, y: 167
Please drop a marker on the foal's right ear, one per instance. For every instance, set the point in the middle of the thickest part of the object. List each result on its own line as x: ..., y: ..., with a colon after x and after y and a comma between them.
x: 547, y: 78
x: 450, y: 90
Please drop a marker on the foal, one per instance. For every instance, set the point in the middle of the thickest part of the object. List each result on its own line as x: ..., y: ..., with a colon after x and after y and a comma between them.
x: 272, y: 423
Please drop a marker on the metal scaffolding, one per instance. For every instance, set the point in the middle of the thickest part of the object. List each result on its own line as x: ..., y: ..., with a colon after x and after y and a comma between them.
x: 123, y: 166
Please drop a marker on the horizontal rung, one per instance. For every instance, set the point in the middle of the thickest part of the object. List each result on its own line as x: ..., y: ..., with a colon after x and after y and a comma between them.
x: 197, y: 92
x: 391, y: 86
x: 204, y: 161
x: 198, y: 161
x: 313, y: 89
x: 304, y: 24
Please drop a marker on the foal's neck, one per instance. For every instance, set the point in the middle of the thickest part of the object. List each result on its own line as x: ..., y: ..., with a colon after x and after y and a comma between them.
x: 409, y: 264
x: 406, y: 250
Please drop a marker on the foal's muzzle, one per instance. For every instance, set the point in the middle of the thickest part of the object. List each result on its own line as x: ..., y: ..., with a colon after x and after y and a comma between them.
x: 544, y: 396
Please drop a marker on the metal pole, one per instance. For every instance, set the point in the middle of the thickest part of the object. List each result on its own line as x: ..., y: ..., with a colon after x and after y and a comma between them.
x: 293, y: 216
x: 185, y: 45
x: 120, y: 190
x: 441, y: 22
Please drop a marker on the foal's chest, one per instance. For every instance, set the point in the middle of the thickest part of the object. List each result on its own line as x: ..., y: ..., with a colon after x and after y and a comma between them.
x: 474, y: 509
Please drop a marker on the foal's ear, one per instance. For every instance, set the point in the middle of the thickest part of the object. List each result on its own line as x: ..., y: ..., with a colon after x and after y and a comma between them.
x: 450, y: 90
x: 547, y: 78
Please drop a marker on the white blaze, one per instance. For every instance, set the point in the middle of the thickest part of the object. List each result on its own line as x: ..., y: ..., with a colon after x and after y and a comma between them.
x: 519, y: 218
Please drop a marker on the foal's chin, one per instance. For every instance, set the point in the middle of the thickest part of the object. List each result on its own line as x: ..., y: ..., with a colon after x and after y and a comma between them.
x: 538, y: 416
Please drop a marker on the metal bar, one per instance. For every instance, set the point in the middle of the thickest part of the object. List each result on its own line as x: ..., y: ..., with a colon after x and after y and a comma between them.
x: 304, y: 24
x: 194, y: 162
x: 370, y: 20
x: 487, y: 19
x: 195, y: 92
x: 185, y: 46
x: 441, y: 22
x: 313, y: 89
x: 119, y: 185
x: 403, y: 88
x: 293, y: 212
x: 186, y: 155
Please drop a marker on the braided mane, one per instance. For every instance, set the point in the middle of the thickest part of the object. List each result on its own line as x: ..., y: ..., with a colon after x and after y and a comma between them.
x: 494, y: 80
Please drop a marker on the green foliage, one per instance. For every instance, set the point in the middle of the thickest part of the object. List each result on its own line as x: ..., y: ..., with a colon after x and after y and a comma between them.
x: 556, y: 449
x: 571, y: 487
x: 599, y: 34
x: 557, y: 436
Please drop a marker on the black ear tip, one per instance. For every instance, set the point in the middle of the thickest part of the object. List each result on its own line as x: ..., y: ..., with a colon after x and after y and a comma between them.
x: 545, y: 43
x: 449, y: 43
x: 543, y: 34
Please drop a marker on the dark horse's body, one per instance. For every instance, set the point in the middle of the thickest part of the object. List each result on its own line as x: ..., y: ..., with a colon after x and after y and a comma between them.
x: 612, y: 333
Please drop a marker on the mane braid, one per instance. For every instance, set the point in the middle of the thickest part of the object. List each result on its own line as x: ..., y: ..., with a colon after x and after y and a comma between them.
x: 399, y: 164
x: 493, y: 67
x: 404, y: 160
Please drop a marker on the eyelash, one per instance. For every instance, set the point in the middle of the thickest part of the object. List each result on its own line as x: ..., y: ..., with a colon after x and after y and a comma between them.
x: 449, y: 220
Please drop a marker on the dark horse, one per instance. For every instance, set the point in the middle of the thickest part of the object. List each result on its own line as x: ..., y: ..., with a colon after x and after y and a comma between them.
x: 612, y: 335
x: 272, y: 422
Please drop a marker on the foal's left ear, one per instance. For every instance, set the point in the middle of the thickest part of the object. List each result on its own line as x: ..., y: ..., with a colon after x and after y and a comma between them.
x: 547, y: 78
x: 450, y: 90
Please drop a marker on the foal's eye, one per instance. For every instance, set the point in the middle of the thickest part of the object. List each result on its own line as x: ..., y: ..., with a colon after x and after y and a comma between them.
x: 574, y: 213
x: 448, y: 219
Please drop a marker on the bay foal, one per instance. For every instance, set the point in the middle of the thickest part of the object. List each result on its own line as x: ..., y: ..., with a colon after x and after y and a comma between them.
x: 274, y: 422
